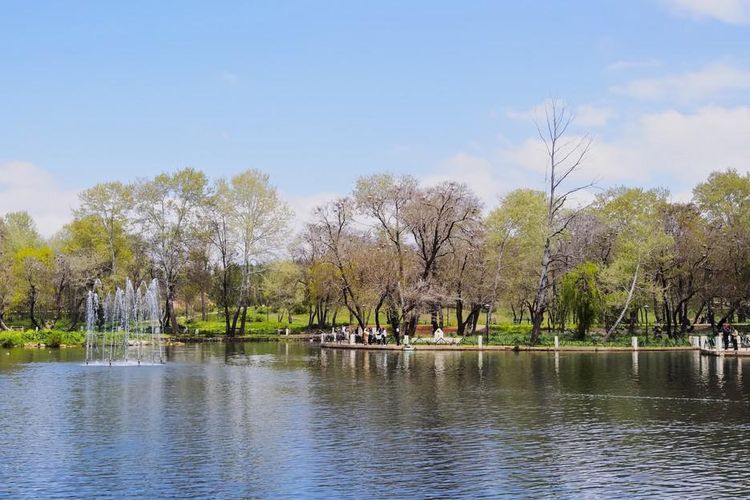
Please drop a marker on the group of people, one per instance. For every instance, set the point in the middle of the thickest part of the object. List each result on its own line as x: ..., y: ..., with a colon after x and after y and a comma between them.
x: 370, y: 335
x: 728, y: 335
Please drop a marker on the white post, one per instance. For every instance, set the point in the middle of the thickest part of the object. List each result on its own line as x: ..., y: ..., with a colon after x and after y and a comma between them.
x: 406, y: 340
x: 287, y: 332
x: 351, y: 339
x: 717, y: 342
x: 479, y: 341
x: 197, y: 331
x: 557, y: 342
x: 634, y: 343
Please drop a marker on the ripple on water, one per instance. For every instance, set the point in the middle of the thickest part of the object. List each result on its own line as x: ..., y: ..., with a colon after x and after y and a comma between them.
x: 268, y: 420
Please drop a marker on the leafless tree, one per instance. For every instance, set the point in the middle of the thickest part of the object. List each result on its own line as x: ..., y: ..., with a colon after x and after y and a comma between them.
x: 565, y: 155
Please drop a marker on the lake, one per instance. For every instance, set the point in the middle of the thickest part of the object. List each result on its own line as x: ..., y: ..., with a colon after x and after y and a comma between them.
x: 292, y: 420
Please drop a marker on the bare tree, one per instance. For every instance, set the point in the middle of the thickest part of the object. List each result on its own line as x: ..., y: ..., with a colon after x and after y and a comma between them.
x: 564, y: 156
x: 438, y: 215
x: 348, y: 253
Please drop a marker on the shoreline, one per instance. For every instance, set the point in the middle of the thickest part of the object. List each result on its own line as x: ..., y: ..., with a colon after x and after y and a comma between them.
x: 502, y: 348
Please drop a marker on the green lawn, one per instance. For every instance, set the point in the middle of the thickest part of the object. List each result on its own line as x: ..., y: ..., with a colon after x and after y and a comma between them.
x: 50, y: 338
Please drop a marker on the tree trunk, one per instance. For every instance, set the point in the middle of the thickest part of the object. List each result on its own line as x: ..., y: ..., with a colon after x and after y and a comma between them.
x: 540, y: 300
x: 697, y: 317
x: 460, y: 325
x: 377, y: 311
x: 227, y: 327
x: 243, y: 320
x: 235, y: 317
x: 633, y: 321
x: 32, y: 307
x: 627, y: 303
x: 172, y: 313
x: 434, y: 317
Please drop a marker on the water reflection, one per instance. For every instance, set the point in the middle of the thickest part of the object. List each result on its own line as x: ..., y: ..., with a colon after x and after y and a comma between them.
x: 291, y: 420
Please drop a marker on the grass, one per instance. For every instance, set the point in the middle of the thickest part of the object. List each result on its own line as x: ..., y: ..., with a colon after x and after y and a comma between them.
x: 50, y: 338
x: 214, y: 328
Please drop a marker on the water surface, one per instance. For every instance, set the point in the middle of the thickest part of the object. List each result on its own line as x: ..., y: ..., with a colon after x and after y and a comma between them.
x: 290, y: 420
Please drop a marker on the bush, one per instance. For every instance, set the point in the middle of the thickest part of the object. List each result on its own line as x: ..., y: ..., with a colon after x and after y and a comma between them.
x: 54, y: 339
x: 50, y: 338
x: 11, y: 339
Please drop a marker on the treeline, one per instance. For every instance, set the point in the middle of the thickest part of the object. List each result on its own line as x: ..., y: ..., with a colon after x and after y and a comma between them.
x: 395, y: 249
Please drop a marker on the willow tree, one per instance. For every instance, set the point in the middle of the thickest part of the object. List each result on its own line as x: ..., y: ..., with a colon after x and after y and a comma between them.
x: 580, y: 296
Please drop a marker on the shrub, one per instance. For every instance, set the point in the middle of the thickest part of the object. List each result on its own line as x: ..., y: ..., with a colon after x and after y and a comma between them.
x: 54, y: 339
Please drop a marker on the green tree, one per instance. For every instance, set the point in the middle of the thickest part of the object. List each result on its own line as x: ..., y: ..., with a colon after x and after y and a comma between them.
x: 515, y: 243
x: 33, y: 268
x: 635, y: 218
x: 724, y: 201
x: 258, y: 220
x: 168, y: 209
x: 581, y: 297
x: 109, y: 204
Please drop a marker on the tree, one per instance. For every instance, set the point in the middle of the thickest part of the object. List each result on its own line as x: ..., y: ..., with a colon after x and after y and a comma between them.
x: 6, y: 275
x: 635, y: 219
x: 283, y: 288
x: 514, y: 243
x: 167, y: 208
x: 20, y: 232
x: 581, y: 297
x: 564, y: 157
x: 438, y: 215
x: 34, y: 269
x: 109, y: 203
x: 724, y: 201
x: 346, y: 254
x: 385, y: 199
x: 258, y: 219
x: 216, y: 218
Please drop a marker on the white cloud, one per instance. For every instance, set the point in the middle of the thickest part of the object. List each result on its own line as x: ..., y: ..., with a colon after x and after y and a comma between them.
x: 668, y: 148
x: 708, y: 82
x: 488, y: 178
x: 586, y: 115
x: 303, y: 206
x: 27, y: 187
x: 728, y: 11
x: 593, y: 116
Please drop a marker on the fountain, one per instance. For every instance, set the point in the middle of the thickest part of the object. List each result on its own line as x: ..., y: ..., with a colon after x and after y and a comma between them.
x: 125, y: 328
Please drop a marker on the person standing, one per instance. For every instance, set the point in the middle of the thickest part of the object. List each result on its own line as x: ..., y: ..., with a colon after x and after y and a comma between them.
x: 726, y: 331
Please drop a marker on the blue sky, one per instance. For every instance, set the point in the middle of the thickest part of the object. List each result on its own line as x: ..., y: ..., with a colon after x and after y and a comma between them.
x: 320, y: 93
